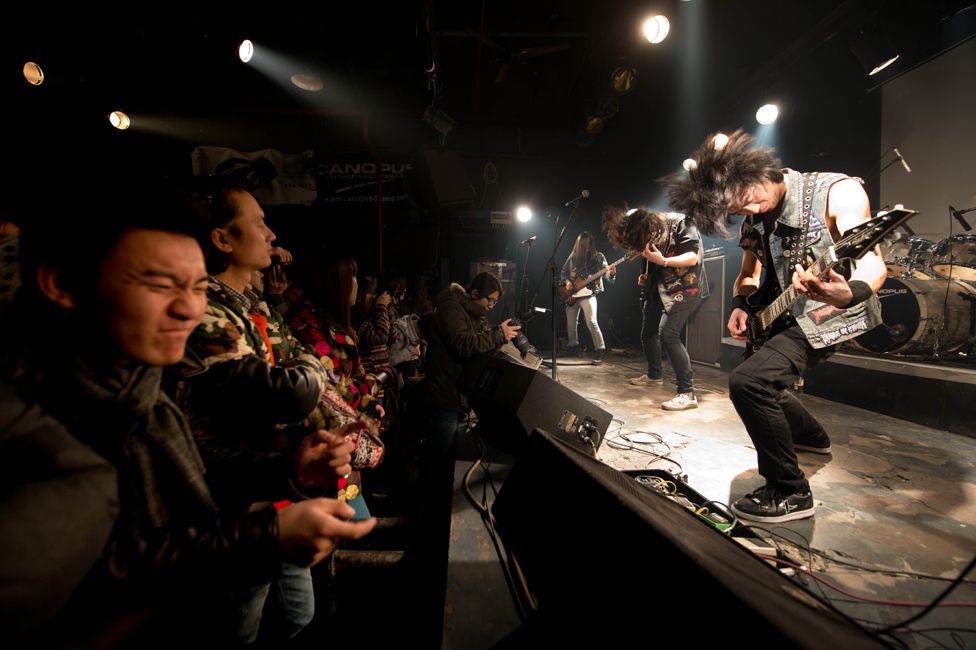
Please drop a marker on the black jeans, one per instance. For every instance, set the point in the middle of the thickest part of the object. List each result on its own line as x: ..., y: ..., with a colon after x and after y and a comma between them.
x: 660, y: 329
x: 772, y: 415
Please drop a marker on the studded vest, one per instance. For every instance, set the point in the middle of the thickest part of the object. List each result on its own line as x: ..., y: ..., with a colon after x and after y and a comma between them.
x: 822, y: 324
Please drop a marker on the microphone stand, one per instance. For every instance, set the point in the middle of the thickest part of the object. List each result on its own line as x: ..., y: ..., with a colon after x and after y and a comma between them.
x: 554, y: 284
x: 522, y: 307
x: 876, y: 174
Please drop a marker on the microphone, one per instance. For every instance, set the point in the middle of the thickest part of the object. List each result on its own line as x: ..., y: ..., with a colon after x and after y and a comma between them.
x: 961, y: 219
x: 577, y: 198
x: 529, y: 240
x: 901, y: 158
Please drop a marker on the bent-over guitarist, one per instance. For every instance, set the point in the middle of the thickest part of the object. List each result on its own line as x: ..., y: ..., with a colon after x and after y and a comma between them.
x: 790, y: 218
x: 584, y: 261
x: 673, y: 286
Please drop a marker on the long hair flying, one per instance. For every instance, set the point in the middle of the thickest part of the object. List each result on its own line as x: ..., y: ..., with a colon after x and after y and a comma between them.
x: 632, y: 230
x: 718, y: 173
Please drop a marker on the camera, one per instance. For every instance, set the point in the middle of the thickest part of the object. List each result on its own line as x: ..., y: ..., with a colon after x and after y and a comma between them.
x: 521, y: 341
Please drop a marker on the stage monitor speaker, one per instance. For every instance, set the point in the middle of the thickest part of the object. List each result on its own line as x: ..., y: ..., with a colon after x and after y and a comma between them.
x: 511, y: 400
x: 609, y: 559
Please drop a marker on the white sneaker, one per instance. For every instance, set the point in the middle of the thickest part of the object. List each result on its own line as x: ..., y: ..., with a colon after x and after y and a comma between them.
x: 681, y: 402
x: 644, y: 380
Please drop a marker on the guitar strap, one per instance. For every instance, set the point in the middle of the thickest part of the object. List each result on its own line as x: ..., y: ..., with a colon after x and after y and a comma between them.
x: 795, y: 245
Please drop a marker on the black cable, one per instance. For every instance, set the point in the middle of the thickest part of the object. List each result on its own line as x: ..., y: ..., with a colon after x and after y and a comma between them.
x: 888, y: 630
x: 862, y: 567
x: 482, y: 508
x: 938, y: 599
x: 612, y: 442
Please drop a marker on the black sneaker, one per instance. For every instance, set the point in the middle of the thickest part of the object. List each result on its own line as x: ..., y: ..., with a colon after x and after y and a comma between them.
x: 769, y: 504
x: 571, y: 351
x: 600, y: 355
x: 818, y: 444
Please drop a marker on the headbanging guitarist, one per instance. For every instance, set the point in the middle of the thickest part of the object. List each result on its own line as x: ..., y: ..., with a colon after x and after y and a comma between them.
x: 789, y: 217
x: 584, y: 261
x: 673, y: 284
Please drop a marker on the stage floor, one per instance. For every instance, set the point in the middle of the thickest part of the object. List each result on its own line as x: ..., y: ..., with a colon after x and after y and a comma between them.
x: 895, y: 497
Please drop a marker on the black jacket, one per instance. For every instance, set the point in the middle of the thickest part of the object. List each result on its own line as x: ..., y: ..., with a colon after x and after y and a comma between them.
x: 459, y: 331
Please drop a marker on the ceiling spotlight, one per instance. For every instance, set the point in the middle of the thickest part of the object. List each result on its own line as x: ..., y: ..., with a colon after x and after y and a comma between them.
x: 689, y: 164
x: 656, y: 29
x: 119, y: 120
x: 767, y: 114
x: 246, y: 50
x: 33, y: 73
x: 719, y: 141
x: 307, y: 82
x: 594, y: 124
x: 623, y: 79
x: 523, y: 214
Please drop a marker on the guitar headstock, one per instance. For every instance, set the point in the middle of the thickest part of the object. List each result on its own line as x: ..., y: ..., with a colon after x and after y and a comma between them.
x: 858, y: 240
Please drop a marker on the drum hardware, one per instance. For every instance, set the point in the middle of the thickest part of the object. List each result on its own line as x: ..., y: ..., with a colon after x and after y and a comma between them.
x: 910, y: 258
x: 955, y: 257
x: 957, y: 215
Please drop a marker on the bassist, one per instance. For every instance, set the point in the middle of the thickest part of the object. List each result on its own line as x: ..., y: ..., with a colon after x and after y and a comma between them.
x: 584, y: 261
x: 789, y: 217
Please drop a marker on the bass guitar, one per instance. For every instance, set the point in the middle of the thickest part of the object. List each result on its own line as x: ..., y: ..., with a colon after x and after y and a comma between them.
x: 853, y: 245
x: 580, y: 288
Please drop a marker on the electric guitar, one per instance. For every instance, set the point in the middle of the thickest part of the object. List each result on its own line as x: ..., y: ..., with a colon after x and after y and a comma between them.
x: 853, y: 245
x: 580, y: 289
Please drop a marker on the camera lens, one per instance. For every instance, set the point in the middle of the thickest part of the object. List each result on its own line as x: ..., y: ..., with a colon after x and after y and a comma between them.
x: 521, y: 341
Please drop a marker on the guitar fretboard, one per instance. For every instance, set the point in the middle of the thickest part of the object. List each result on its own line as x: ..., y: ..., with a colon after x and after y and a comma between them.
x: 786, y: 299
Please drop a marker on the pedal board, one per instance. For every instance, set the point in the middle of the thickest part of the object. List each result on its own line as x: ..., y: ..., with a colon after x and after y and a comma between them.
x: 712, y: 512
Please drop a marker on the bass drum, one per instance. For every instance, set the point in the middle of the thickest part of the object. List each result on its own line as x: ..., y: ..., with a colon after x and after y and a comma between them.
x: 919, y: 315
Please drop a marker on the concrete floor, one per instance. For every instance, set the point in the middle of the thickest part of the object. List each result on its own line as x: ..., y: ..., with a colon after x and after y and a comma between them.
x: 895, y: 497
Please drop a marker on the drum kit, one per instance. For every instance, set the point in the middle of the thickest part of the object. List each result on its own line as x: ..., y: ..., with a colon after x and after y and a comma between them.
x: 928, y: 301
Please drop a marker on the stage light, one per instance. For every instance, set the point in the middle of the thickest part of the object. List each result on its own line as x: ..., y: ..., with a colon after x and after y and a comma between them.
x: 656, y: 29
x: 307, y: 82
x: 523, y: 214
x: 594, y: 124
x: 33, y: 73
x: 719, y: 141
x: 767, y: 114
x: 689, y: 164
x: 246, y: 50
x: 622, y: 79
x: 119, y: 120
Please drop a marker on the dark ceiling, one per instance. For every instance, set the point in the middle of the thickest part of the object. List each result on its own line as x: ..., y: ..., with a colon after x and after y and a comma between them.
x: 517, y: 77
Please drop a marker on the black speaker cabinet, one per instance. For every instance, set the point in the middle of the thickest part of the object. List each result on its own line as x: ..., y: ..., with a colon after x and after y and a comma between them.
x: 706, y: 327
x: 511, y: 400
x: 607, y: 559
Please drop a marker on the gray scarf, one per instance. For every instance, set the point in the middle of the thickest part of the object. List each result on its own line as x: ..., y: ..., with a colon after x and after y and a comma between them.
x: 145, y: 434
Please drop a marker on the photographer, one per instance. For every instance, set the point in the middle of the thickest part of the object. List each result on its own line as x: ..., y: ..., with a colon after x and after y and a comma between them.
x: 459, y: 331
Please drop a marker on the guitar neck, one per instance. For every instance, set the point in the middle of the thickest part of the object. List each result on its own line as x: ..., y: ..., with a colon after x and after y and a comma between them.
x: 786, y: 299
x: 594, y: 276
x: 853, y: 245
